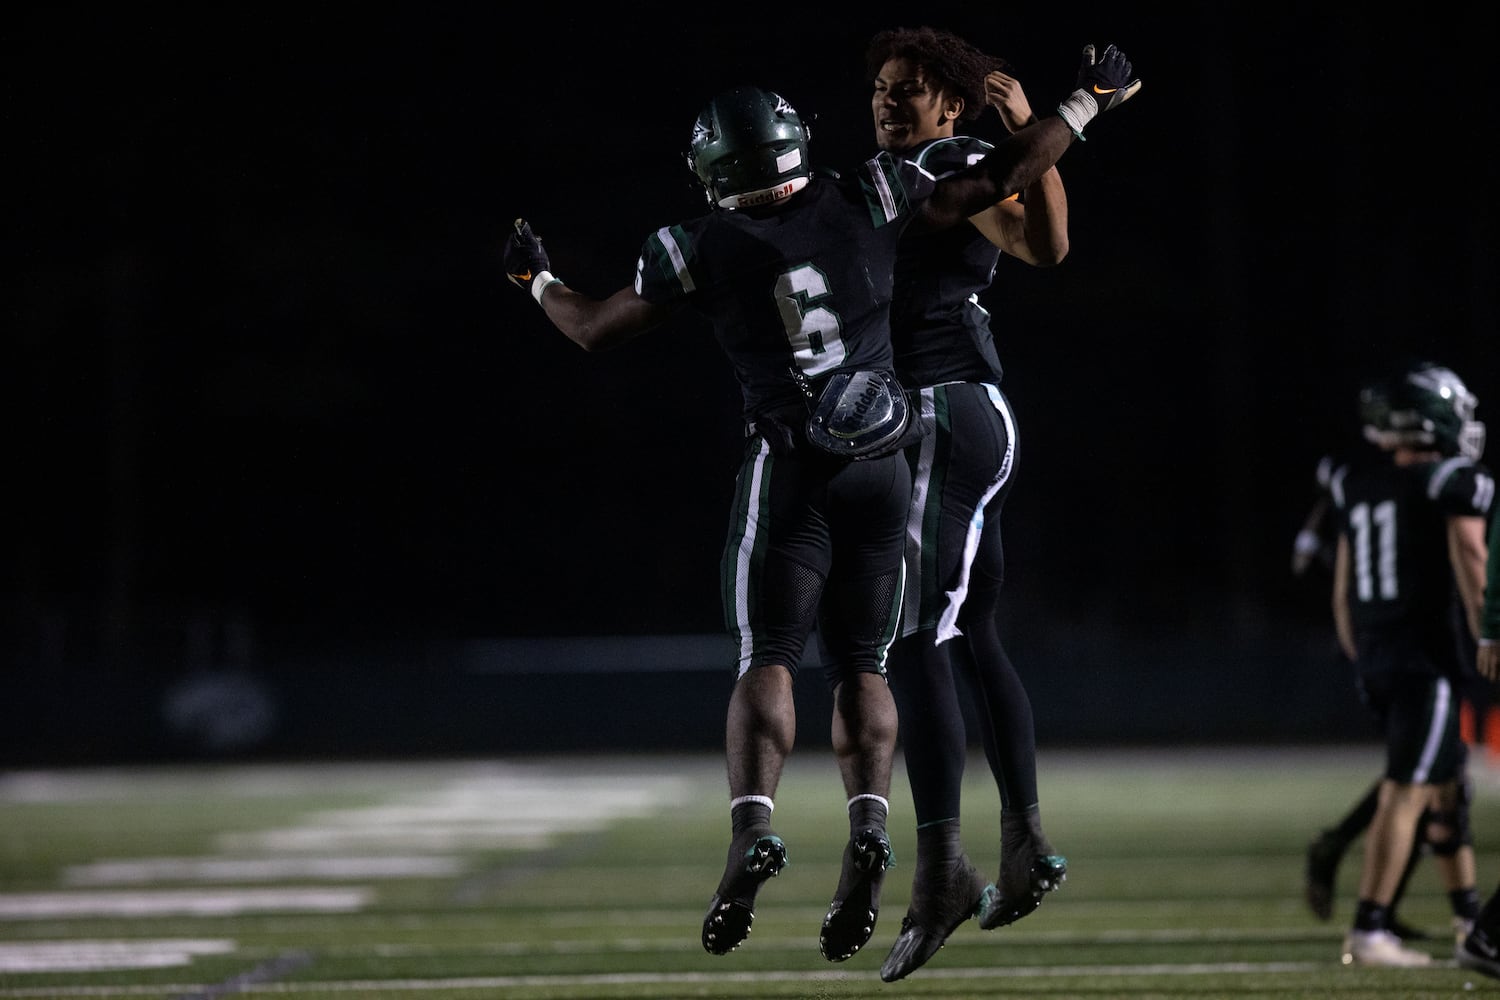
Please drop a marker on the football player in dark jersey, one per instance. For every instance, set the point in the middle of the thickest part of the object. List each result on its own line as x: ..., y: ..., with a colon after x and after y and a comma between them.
x: 1316, y: 544
x: 794, y: 271
x: 1480, y: 950
x: 1412, y: 540
x: 924, y: 82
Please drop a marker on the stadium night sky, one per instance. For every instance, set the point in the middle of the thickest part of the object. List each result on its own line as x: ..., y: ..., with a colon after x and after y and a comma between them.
x: 263, y: 357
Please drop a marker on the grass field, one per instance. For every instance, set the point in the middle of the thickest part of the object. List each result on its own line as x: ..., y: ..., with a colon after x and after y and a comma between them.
x: 552, y: 878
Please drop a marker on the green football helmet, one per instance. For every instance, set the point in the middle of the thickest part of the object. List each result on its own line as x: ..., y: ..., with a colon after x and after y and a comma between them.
x: 1426, y: 406
x: 749, y: 147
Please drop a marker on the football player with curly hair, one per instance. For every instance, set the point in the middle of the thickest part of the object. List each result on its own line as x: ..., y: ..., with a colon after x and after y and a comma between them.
x: 925, y: 82
x: 794, y: 273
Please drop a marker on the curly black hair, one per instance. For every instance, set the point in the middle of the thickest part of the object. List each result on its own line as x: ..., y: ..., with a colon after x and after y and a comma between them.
x: 950, y: 64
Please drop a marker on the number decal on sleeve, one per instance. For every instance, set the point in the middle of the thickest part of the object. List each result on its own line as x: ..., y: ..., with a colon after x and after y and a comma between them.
x: 812, y: 329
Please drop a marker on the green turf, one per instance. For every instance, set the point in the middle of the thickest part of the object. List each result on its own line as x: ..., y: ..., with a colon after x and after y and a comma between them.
x: 1184, y: 881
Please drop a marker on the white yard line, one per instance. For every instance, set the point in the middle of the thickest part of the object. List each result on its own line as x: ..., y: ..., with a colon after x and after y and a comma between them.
x: 98, y: 956
x: 713, y: 979
x: 143, y: 871
x: 180, y: 902
x: 431, y: 811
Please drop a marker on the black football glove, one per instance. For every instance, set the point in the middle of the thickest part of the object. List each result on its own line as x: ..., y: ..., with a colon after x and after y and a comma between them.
x: 523, y: 257
x: 1102, y: 85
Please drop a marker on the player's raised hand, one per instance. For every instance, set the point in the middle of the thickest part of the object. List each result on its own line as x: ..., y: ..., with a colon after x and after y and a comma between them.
x: 523, y: 256
x: 1108, y: 80
x: 1003, y: 93
x: 1103, y: 83
x: 525, y: 260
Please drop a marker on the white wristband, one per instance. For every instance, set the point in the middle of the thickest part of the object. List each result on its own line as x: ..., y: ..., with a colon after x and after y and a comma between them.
x: 540, y: 284
x: 1078, y: 109
x: 1307, y: 543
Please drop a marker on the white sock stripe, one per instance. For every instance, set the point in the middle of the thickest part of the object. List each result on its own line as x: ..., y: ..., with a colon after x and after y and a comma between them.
x: 870, y: 795
x: 764, y: 800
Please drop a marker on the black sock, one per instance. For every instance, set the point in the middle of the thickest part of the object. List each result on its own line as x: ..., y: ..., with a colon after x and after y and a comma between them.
x: 938, y: 845
x: 866, y: 812
x: 1465, y: 903
x: 748, y: 816
x: 1371, y: 916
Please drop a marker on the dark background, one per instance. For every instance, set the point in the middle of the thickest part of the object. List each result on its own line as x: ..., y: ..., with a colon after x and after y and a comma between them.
x: 293, y: 469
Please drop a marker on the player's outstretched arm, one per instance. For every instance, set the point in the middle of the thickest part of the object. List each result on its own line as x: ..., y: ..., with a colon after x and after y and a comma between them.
x: 1467, y: 553
x: 1017, y: 161
x: 1034, y: 227
x: 1343, y: 618
x: 593, y: 324
x: 1489, y: 623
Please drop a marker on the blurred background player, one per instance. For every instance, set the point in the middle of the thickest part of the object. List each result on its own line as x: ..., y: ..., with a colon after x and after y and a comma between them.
x: 1480, y: 949
x: 1315, y: 546
x: 924, y: 82
x: 1412, y: 524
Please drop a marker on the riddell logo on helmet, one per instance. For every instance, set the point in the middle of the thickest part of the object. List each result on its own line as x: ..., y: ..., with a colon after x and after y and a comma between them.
x: 768, y: 195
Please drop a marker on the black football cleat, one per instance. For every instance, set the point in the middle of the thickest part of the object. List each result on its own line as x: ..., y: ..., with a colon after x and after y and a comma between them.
x: 1323, y: 856
x: 1028, y: 871
x: 1479, y: 951
x: 851, y: 916
x: 934, y: 914
x: 754, y: 856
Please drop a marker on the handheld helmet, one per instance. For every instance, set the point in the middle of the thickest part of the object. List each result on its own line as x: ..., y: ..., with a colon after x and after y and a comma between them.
x: 1426, y: 406
x: 749, y: 147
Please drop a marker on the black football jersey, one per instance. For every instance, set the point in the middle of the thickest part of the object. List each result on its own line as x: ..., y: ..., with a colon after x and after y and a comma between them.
x: 806, y: 286
x: 940, y: 331
x: 1395, y: 520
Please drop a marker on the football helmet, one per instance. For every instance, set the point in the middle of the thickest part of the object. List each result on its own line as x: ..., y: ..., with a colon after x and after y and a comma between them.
x: 1426, y: 406
x: 749, y: 147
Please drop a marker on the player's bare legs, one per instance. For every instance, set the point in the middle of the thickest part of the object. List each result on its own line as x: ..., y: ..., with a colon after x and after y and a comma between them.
x: 864, y: 734
x: 1446, y: 827
x: 1388, y: 844
x: 864, y: 744
x: 759, y: 732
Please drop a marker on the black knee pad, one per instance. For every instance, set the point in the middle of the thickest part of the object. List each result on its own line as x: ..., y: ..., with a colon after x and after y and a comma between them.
x: 1454, y: 822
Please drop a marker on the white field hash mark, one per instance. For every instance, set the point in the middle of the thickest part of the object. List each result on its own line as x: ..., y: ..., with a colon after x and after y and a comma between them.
x: 144, y: 871
x: 494, y: 983
x: 97, y: 956
x: 476, y: 807
x: 180, y: 902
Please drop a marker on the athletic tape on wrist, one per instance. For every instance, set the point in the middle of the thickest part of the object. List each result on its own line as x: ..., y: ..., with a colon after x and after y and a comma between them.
x: 1307, y: 542
x: 1078, y: 109
x: 542, y: 281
